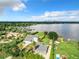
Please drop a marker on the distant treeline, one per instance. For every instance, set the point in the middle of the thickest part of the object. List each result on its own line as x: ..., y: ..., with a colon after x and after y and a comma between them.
x: 7, y: 26
x: 43, y: 22
x: 15, y: 24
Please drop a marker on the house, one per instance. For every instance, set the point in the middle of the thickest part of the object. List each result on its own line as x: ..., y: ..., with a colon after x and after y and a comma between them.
x: 41, y: 49
x: 31, y: 38
x: 28, y: 40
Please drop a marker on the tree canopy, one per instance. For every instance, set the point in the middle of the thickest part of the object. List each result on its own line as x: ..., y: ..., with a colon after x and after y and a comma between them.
x: 53, y: 35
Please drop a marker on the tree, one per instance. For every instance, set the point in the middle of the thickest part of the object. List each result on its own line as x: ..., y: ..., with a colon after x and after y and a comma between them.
x: 53, y: 36
x: 45, y: 33
x: 15, y: 51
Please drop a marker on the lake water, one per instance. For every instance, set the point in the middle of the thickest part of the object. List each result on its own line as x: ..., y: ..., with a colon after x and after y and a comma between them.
x: 66, y: 30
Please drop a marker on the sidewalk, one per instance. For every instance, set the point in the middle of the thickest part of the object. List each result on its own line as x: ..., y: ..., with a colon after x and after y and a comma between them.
x: 49, y: 51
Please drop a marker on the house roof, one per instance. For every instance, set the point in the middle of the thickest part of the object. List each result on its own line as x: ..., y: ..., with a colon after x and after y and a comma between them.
x: 30, y: 37
x: 42, y: 49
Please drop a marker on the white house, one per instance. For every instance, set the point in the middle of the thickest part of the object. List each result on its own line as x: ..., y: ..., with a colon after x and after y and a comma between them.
x: 29, y: 39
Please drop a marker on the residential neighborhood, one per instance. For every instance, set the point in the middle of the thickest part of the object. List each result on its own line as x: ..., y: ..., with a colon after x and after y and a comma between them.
x: 39, y: 29
x: 28, y: 43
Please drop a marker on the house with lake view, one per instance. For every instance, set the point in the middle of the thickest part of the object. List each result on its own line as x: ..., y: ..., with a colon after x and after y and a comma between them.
x: 38, y: 48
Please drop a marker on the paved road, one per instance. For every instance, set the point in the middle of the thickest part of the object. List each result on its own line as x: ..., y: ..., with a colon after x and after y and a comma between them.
x: 49, y: 51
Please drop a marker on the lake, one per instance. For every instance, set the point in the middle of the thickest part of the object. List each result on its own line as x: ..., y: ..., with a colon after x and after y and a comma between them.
x: 66, y: 30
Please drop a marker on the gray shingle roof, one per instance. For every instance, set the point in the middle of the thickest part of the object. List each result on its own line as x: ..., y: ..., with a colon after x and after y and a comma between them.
x: 42, y: 49
x: 30, y: 38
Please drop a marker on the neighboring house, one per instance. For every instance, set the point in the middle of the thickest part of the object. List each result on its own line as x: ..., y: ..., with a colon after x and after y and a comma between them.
x: 41, y: 49
x: 29, y: 39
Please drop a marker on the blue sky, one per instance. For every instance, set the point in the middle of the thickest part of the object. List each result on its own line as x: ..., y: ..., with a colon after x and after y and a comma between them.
x: 39, y: 10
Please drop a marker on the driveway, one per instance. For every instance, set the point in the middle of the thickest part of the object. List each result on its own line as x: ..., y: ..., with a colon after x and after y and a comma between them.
x: 49, y: 51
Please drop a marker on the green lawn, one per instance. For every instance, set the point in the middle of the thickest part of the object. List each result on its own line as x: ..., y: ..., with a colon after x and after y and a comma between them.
x: 70, y: 49
x: 40, y: 34
x: 51, y: 54
x: 31, y: 55
x: 46, y: 40
x: 1, y: 57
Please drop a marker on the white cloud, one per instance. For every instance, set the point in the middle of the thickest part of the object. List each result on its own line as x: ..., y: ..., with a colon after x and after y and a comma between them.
x: 18, y: 6
x: 56, y: 13
x: 58, y: 16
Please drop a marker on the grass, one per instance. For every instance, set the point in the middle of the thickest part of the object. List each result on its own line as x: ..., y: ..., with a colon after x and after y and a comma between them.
x: 51, y: 54
x: 31, y: 55
x: 70, y: 49
x: 17, y: 57
x: 46, y: 40
x: 3, y: 55
x: 40, y: 34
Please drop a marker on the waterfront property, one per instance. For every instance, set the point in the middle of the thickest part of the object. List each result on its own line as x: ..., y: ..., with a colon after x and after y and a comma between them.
x: 42, y: 49
x: 39, y: 47
x: 31, y: 38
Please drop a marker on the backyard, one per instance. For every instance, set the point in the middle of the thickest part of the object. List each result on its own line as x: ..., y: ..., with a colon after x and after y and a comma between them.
x: 68, y: 49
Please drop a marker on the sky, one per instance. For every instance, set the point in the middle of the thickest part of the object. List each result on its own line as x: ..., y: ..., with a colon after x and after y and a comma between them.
x: 39, y: 10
